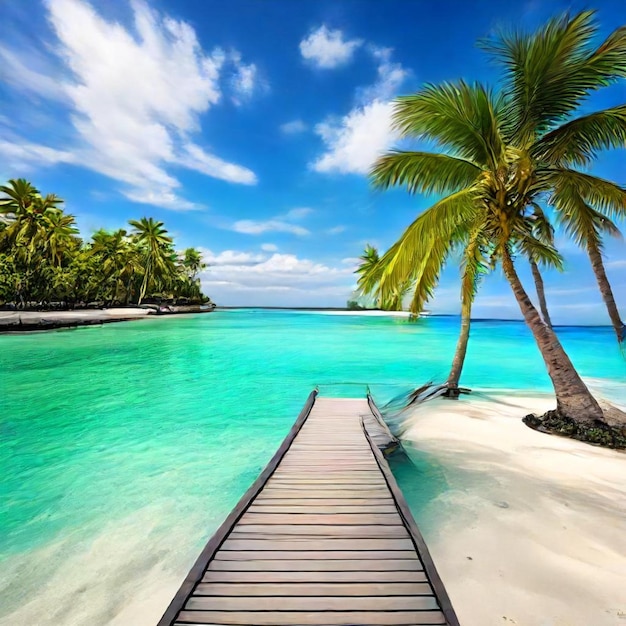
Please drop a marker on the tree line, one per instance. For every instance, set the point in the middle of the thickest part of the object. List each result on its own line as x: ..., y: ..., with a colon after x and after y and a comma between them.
x: 43, y: 260
x: 514, y: 163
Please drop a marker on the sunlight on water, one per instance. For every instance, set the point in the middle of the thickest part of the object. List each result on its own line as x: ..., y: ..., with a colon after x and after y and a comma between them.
x: 123, y: 447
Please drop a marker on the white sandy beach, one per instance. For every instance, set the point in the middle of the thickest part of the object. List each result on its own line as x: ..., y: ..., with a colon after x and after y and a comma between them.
x: 533, y: 530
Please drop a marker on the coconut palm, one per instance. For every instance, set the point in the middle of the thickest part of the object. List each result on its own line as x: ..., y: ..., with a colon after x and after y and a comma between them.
x: 156, y: 252
x: 502, y: 153
x: 120, y: 262
x: 59, y: 235
x: 369, y: 271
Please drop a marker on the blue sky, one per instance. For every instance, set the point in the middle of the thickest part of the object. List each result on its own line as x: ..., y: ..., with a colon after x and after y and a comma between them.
x: 248, y: 127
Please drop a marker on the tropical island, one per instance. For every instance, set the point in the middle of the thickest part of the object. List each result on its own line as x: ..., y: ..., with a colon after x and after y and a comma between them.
x: 46, y: 268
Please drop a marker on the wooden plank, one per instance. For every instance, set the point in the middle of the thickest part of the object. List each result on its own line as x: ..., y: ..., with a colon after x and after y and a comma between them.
x: 309, y: 588
x: 353, y: 485
x: 306, y: 603
x: 325, y: 618
x: 317, y: 509
x: 316, y: 544
x: 312, y: 530
x: 374, y: 502
x: 338, y: 519
x: 301, y: 494
x: 308, y: 576
x: 274, y: 563
x: 300, y: 555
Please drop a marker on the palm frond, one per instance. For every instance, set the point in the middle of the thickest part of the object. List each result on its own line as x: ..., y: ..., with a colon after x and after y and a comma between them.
x: 423, y: 172
x: 459, y: 117
x: 582, y: 222
x: 579, y: 141
x: 605, y: 196
x: 418, y: 256
x: 550, y: 72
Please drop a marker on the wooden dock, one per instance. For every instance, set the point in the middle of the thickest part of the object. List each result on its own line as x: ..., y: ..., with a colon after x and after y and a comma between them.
x: 323, y: 536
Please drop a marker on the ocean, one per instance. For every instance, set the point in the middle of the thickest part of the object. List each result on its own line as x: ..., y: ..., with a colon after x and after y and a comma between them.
x: 124, y: 446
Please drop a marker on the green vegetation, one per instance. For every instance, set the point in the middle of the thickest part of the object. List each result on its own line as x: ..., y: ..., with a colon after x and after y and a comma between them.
x: 511, y: 163
x: 44, y: 261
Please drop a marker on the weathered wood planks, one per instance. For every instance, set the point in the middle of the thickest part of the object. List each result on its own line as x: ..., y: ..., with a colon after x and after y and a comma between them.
x: 322, y: 537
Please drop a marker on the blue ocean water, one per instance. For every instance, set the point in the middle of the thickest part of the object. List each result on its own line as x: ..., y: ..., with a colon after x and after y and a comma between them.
x: 123, y: 447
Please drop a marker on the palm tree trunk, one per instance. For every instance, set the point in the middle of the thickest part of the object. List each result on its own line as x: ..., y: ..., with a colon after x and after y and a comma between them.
x: 605, y: 290
x: 461, y: 349
x: 541, y: 294
x: 573, y: 399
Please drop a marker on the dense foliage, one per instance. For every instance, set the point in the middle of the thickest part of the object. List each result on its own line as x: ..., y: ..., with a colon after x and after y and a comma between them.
x: 43, y: 260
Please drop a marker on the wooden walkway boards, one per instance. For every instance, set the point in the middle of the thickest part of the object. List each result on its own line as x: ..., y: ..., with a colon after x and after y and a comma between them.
x: 323, y: 536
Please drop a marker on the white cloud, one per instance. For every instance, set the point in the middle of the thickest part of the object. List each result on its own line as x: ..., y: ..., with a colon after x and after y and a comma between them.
x: 269, y: 247
x: 299, y: 281
x: 297, y: 214
x: 335, y: 230
x: 21, y: 75
x: 231, y: 257
x: 196, y: 158
x: 356, y: 140
x: 245, y: 81
x: 258, y: 227
x: 25, y: 154
x: 327, y: 48
x: 135, y: 97
x: 294, y: 127
x: 616, y: 264
x: 279, y: 224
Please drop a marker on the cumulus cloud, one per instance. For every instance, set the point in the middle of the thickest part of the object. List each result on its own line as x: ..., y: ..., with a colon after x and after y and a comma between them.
x: 269, y: 247
x: 354, y: 141
x: 294, y: 127
x: 135, y: 97
x: 327, y: 48
x: 242, y: 277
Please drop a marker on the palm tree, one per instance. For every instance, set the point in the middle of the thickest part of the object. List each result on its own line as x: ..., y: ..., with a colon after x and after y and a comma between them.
x: 59, y: 235
x: 192, y: 263
x: 503, y: 153
x: 120, y: 261
x: 369, y: 271
x: 156, y: 252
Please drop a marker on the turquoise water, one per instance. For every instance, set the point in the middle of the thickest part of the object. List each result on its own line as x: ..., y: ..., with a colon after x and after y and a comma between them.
x: 123, y: 447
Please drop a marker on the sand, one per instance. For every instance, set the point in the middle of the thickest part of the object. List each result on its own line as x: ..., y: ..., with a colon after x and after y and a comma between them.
x: 533, y: 527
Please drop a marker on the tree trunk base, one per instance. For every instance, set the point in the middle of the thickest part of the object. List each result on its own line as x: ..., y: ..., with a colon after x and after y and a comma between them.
x: 453, y: 393
x: 598, y: 433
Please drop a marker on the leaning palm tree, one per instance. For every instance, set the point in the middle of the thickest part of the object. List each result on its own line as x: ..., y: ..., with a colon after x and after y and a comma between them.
x: 156, y: 252
x: 502, y: 153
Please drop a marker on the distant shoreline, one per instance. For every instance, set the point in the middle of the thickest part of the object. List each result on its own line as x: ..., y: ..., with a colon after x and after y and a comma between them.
x: 17, y: 322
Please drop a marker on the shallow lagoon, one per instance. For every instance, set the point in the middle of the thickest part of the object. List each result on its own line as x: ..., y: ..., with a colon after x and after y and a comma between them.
x: 123, y: 447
